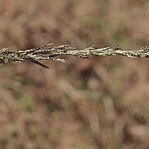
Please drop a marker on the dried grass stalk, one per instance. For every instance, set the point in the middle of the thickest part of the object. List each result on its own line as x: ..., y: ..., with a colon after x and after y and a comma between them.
x: 50, y: 52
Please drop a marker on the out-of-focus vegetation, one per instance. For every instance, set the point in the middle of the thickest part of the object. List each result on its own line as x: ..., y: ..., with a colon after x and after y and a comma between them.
x: 95, y: 103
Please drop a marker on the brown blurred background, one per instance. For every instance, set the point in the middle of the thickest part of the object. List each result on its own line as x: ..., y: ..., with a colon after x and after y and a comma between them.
x: 98, y: 103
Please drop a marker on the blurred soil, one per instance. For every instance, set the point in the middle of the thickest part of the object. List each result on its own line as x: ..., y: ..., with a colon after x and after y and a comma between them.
x: 100, y: 103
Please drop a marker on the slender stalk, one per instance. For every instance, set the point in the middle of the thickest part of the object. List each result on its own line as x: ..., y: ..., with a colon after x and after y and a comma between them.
x: 50, y: 52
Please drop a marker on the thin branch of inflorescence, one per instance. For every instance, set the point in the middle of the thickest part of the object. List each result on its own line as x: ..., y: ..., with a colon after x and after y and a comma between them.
x: 50, y: 52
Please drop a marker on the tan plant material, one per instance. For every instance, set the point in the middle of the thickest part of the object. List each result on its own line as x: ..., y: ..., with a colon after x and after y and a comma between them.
x: 50, y: 52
